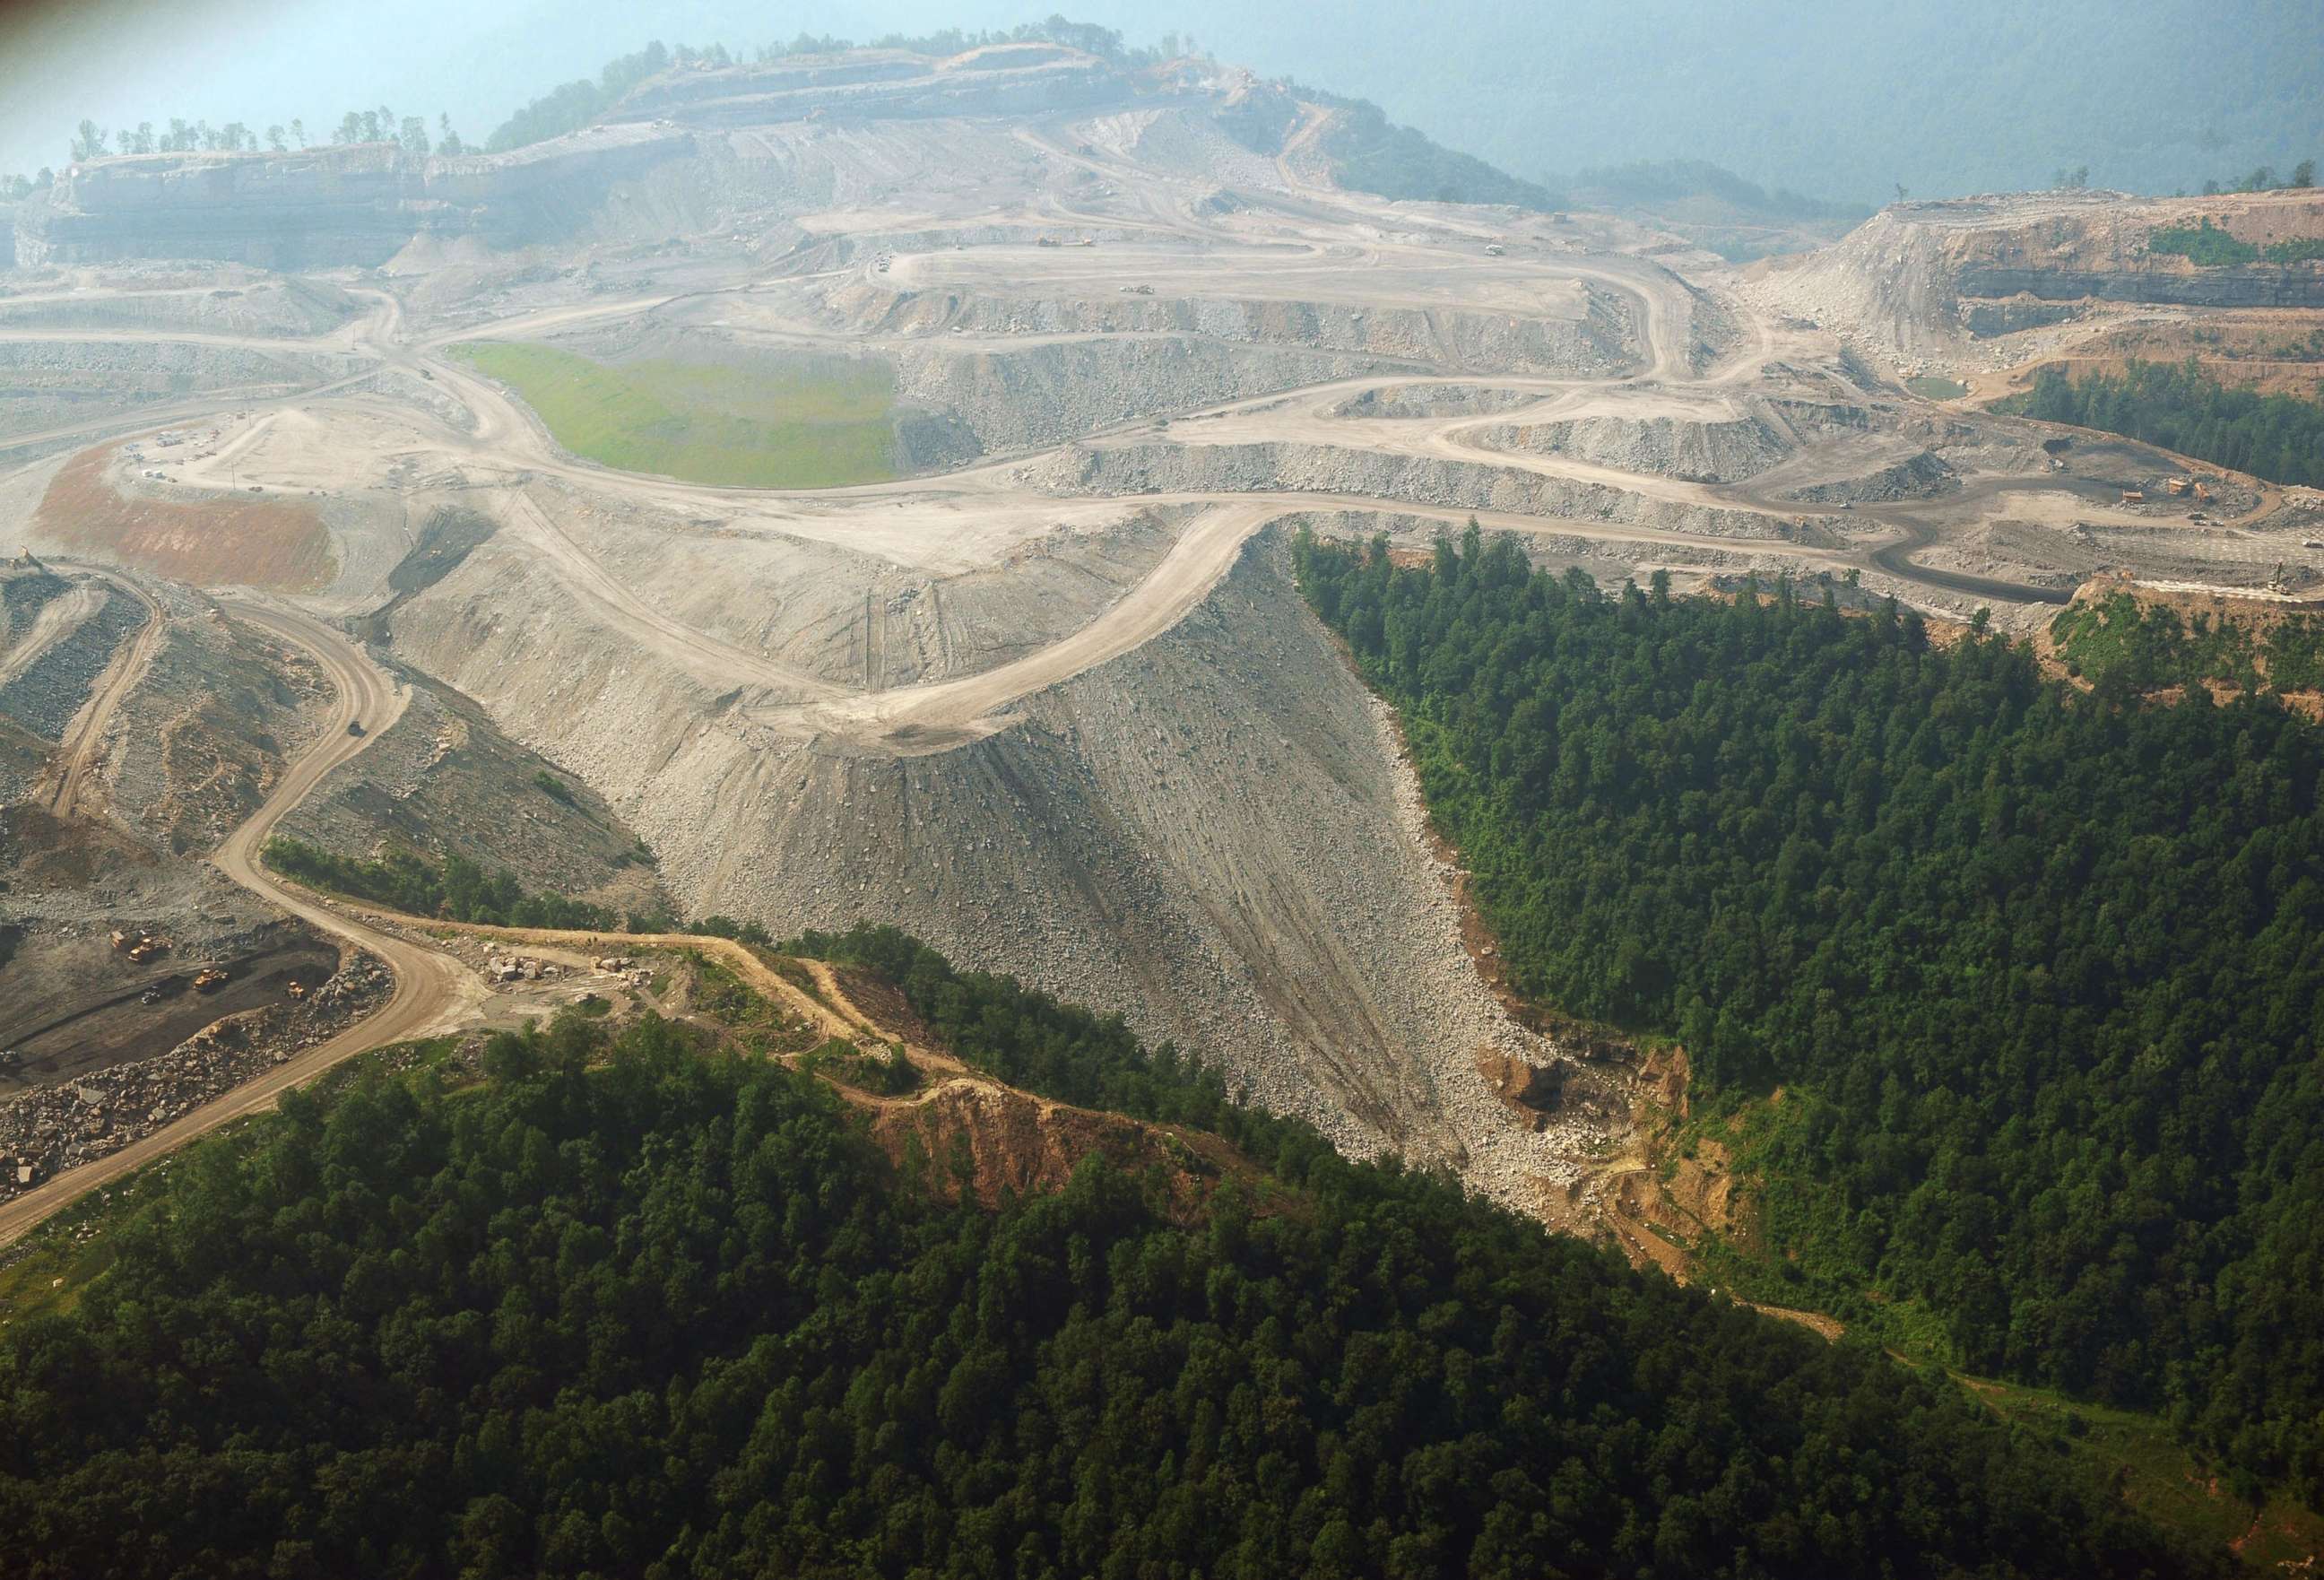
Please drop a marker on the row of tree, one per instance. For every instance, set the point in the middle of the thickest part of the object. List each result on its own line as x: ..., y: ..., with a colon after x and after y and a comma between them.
x: 381, y: 125
x: 636, y: 1306
x: 2265, y: 180
x: 2040, y: 973
x: 457, y: 890
x: 2262, y: 180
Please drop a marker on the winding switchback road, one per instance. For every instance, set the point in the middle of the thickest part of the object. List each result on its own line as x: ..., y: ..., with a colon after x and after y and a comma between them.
x: 432, y: 992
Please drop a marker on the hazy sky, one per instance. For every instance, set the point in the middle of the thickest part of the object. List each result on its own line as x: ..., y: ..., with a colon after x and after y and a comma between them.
x: 1836, y: 99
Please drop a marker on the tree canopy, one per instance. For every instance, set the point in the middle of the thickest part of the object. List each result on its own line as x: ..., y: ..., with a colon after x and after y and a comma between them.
x: 2182, y: 408
x: 635, y: 1306
x: 2040, y: 975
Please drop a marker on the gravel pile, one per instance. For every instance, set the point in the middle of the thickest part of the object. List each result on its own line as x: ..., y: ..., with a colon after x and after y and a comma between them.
x: 1206, y: 835
x: 1261, y: 469
x: 46, y: 696
x: 1600, y: 341
x: 1712, y: 450
x: 23, y: 595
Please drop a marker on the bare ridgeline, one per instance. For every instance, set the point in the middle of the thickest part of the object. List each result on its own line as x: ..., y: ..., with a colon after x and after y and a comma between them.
x: 1040, y: 689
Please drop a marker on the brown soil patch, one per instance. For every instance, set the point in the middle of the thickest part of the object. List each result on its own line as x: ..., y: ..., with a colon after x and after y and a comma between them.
x: 278, y: 545
x: 1530, y: 1091
x: 992, y: 1140
x: 43, y: 852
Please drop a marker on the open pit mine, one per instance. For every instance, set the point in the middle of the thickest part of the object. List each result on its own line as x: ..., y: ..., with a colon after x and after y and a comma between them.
x: 861, y: 488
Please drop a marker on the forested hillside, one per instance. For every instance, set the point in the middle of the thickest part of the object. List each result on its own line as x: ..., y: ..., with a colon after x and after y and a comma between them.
x: 637, y: 1306
x: 2181, y: 408
x: 2038, y: 973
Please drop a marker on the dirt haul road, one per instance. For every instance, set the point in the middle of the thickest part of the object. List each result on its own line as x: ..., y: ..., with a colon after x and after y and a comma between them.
x: 505, y: 437
x: 82, y: 748
x: 431, y: 992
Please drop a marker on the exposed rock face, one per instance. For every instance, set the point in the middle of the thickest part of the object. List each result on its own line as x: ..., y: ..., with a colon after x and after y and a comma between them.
x: 1324, y: 469
x: 2258, y: 285
x: 1986, y: 319
x: 326, y: 207
x: 1923, y: 278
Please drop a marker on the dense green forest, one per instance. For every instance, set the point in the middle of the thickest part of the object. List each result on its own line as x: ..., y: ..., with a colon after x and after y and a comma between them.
x: 2180, y: 407
x: 637, y: 1306
x: 458, y: 889
x: 2147, y: 647
x: 2040, y: 973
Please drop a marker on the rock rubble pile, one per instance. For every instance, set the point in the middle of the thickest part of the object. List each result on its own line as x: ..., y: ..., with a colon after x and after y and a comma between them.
x: 55, y: 1128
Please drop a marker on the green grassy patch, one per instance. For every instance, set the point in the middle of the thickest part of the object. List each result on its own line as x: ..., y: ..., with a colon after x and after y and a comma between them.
x: 801, y: 422
x: 751, y: 1020
x: 45, y: 1275
x: 890, y: 1074
x: 2152, y: 647
x: 2205, y: 244
x: 1932, y: 387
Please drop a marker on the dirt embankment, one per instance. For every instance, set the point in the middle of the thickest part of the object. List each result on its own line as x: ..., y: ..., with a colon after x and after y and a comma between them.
x: 274, y: 544
x: 968, y: 1133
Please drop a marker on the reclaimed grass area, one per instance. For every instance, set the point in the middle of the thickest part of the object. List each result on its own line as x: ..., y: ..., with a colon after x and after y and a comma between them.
x: 794, y: 423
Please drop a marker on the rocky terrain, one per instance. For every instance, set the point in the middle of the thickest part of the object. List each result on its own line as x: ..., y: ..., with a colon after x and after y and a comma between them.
x: 444, y: 781
x: 57, y: 1127
x: 1989, y: 283
x: 1049, y: 699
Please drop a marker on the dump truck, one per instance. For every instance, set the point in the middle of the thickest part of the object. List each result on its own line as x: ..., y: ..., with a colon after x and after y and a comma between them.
x: 209, y: 979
